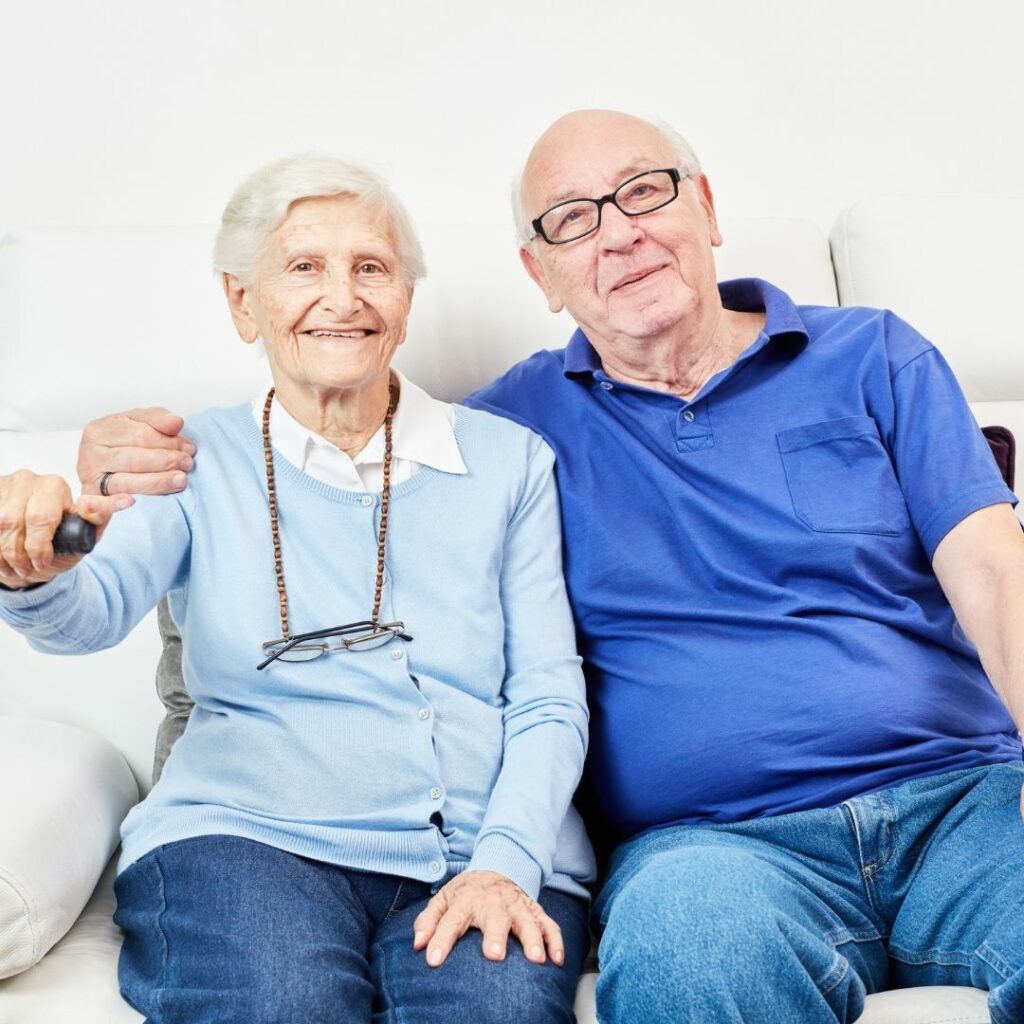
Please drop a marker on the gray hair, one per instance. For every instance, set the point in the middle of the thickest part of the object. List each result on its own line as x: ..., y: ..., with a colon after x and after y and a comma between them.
x: 686, y: 161
x: 262, y: 201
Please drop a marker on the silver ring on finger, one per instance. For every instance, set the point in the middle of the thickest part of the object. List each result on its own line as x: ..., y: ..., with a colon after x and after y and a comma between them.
x: 103, y: 484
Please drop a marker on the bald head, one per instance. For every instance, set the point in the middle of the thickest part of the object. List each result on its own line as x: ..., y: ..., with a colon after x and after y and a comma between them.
x: 584, y: 139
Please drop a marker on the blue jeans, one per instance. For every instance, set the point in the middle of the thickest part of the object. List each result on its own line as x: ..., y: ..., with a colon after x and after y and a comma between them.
x: 798, y: 917
x: 226, y: 930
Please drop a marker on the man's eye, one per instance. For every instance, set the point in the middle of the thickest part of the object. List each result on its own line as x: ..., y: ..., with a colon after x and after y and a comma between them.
x: 370, y: 268
x: 570, y: 216
x: 640, y: 191
x: 303, y: 266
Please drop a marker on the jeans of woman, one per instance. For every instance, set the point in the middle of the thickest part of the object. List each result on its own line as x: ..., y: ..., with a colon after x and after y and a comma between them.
x: 796, y: 918
x: 226, y: 930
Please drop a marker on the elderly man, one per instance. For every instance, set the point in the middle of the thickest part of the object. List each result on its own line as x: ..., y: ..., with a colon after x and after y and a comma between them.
x: 777, y: 520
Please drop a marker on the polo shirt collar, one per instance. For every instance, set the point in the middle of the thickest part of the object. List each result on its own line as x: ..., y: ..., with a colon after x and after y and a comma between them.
x: 744, y: 295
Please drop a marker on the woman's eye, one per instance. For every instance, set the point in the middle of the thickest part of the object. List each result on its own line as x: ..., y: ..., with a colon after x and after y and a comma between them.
x: 370, y: 268
x: 303, y: 266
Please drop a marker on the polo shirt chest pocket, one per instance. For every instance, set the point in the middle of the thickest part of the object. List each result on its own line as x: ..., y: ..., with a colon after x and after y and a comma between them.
x: 841, y: 479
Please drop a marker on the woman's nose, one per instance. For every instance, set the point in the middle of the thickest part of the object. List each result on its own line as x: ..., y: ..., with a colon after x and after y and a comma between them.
x: 341, y: 296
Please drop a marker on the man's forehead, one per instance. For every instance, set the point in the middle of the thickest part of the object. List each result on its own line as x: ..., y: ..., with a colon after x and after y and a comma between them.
x: 591, y: 153
x: 581, y: 180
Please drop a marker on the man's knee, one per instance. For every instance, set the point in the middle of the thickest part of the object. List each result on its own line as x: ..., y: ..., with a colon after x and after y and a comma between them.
x: 709, y: 930
x: 701, y: 901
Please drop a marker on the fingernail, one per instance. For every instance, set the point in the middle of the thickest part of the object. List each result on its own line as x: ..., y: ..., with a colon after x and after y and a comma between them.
x: 178, y: 481
x: 123, y: 502
x: 417, y: 939
x: 190, y: 448
x: 188, y: 462
x: 434, y: 957
x: 496, y: 948
x: 558, y: 956
x: 536, y: 953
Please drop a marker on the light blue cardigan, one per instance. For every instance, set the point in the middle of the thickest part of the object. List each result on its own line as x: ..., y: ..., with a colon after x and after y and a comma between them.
x: 458, y: 750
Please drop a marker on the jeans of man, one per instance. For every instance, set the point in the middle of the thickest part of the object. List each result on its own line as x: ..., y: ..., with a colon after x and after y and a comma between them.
x: 796, y: 918
x: 222, y: 929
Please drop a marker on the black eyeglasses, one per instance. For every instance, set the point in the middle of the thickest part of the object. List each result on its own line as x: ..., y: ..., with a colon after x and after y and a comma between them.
x: 643, y: 193
x: 307, y: 646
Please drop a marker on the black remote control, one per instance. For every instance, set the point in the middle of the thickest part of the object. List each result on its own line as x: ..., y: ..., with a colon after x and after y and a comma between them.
x: 74, y: 536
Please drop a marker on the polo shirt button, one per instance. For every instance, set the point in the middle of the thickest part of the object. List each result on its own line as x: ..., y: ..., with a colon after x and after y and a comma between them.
x: 423, y: 714
x: 688, y: 416
x: 396, y: 653
x: 434, y: 867
x: 367, y: 500
x: 607, y: 385
x: 435, y: 793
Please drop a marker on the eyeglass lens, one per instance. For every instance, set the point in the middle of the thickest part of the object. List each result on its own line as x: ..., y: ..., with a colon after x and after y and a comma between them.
x: 578, y: 217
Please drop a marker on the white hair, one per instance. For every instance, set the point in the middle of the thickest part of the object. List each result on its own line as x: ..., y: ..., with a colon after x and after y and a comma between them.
x: 262, y: 201
x: 686, y: 161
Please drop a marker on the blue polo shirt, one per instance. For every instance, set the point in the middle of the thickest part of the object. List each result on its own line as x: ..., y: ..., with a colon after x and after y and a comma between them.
x: 750, y: 570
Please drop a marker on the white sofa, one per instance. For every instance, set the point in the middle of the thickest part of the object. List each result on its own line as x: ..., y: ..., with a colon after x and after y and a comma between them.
x: 96, y: 320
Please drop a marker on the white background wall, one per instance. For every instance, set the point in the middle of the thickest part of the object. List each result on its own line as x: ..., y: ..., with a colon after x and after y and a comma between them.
x: 128, y: 111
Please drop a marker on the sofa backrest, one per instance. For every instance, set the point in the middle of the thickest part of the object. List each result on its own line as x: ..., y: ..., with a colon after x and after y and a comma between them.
x: 950, y: 266
x: 98, y: 320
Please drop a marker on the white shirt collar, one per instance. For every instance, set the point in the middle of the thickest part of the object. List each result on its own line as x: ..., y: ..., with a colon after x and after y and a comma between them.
x: 422, y: 435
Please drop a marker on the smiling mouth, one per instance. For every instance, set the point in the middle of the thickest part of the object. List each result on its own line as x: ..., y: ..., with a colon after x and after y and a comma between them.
x: 636, y: 278
x: 356, y: 333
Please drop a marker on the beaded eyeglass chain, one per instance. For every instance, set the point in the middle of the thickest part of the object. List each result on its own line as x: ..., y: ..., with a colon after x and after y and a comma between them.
x: 385, y: 501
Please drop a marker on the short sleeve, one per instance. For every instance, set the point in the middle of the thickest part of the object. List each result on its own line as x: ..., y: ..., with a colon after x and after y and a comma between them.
x: 945, y: 465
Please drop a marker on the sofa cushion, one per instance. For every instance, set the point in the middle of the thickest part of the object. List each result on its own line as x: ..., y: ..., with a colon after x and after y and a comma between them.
x: 65, y: 793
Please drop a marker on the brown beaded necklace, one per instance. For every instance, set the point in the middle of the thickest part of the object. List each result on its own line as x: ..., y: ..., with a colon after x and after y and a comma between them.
x: 385, y: 501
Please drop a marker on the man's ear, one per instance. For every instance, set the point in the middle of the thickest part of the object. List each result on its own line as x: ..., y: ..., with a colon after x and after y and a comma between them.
x: 239, y: 303
x: 535, y: 269
x: 707, y: 201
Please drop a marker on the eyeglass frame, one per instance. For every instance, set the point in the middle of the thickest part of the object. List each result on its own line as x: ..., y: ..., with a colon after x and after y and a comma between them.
x: 396, y: 629
x: 673, y: 172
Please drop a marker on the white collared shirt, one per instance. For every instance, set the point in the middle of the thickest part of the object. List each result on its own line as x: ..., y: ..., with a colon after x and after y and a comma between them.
x: 422, y: 434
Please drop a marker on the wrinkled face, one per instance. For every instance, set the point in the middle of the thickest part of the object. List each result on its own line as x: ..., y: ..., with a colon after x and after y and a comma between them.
x: 634, y: 278
x: 328, y: 298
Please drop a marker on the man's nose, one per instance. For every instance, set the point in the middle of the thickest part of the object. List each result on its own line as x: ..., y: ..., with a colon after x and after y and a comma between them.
x: 341, y: 296
x: 618, y: 231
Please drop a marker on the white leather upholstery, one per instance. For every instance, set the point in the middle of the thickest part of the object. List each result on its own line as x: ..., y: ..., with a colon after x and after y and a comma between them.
x: 76, y: 982
x: 64, y: 795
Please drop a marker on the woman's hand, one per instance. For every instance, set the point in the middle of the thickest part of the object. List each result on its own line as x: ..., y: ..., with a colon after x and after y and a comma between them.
x: 495, y: 905
x: 31, y: 508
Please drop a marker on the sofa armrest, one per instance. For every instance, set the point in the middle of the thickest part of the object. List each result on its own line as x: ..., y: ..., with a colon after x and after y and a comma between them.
x: 63, y: 794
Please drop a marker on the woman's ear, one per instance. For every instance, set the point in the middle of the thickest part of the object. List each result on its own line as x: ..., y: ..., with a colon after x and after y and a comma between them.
x: 241, y: 312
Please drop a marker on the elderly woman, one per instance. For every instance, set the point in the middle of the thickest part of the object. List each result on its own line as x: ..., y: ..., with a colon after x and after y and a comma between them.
x: 389, y: 714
